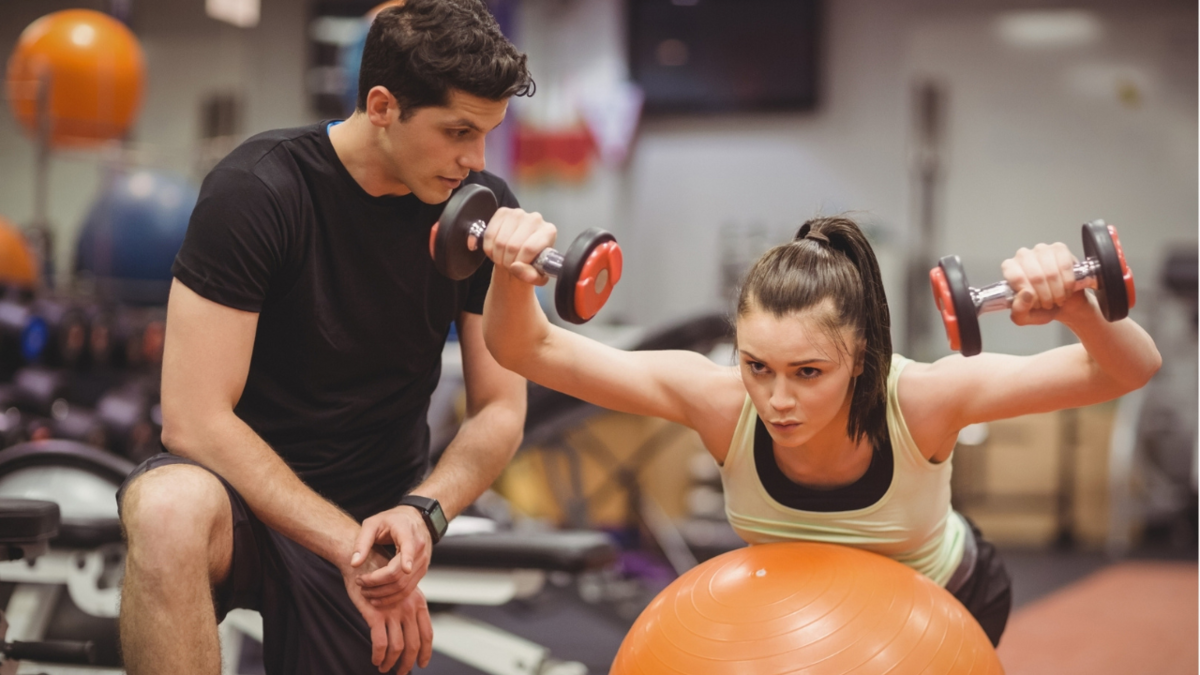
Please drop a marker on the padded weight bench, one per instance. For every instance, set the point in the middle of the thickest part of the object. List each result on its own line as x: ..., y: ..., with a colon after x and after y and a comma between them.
x: 473, y: 564
x: 26, y: 527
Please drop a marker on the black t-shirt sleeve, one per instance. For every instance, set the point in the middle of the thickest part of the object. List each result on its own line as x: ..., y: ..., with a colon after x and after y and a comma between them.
x: 481, y: 280
x: 234, y: 243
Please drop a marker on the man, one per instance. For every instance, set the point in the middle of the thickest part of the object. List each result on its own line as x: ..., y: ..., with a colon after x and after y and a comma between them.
x: 304, y: 335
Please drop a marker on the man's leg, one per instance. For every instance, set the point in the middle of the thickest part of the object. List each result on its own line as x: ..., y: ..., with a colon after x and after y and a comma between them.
x: 179, y: 531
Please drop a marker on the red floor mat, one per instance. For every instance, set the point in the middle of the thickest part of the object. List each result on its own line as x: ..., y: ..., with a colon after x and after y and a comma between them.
x: 1127, y: 619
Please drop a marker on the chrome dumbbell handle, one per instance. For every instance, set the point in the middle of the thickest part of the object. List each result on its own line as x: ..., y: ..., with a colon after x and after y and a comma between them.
x: 999, y: 296
x: 548, y: 262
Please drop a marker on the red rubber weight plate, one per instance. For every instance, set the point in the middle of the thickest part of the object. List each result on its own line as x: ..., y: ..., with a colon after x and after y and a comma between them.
x: 601, y: 271
x: 573, y: 270
x: 945, y: 305
x: 958, y: 290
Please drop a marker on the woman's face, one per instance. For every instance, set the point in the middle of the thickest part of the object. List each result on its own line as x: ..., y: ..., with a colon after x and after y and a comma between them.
x: 797, y: 374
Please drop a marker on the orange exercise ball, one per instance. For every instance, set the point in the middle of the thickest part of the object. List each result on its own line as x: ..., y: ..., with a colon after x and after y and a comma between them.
x: 92, y: 68
x: 817, y: 609
x: 18, y: 267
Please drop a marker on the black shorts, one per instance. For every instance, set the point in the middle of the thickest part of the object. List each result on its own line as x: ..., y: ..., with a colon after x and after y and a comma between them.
x: 987, y: 592
x: 309, y: 623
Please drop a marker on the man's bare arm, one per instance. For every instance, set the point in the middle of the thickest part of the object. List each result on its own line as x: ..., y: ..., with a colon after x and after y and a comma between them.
x: 485, y: 443
x: 205, y: 363
x: 491, y: 432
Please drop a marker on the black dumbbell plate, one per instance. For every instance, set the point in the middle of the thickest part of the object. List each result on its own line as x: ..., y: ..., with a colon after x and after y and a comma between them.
x: 451, y: 255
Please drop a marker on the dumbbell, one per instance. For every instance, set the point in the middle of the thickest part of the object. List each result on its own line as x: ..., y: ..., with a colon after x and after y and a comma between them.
x: 126, y: 413
x: 586, y: 273
x: 1103, y: 269
x: 23, y: 335
x: 126, y: 337
x: 66, y: 327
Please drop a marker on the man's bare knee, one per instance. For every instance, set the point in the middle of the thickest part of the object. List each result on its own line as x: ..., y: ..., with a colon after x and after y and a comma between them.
x: 177, y: 514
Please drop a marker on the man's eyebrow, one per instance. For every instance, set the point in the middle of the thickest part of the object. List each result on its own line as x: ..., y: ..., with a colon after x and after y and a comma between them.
x: 464, y: 122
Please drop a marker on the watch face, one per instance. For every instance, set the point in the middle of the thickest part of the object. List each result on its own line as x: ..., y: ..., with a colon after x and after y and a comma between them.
x: 438, y: 519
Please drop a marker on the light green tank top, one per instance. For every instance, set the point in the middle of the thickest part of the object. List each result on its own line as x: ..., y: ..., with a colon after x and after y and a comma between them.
x: 912, y: 523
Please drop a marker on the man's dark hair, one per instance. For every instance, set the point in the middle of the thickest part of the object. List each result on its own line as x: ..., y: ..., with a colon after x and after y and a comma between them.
x: 424, y: 49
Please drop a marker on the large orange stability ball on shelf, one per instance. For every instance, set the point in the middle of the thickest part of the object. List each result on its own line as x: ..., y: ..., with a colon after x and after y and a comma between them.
x: 18, y: 267
x: 816, y: 609
x: 92, y: 69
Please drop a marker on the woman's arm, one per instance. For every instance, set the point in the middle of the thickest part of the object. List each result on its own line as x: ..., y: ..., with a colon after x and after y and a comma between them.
x: 1110, y: 360
x: 680, y: 386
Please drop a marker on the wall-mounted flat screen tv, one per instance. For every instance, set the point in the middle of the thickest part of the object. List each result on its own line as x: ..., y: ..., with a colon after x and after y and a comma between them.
x: 725, y: 55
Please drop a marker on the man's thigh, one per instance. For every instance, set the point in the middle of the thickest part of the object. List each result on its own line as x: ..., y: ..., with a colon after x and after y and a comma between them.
x: 310, y: 626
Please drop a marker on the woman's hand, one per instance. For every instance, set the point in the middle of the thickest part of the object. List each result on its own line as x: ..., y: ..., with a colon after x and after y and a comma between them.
x: 1043, y: 283
x: 514, y: 238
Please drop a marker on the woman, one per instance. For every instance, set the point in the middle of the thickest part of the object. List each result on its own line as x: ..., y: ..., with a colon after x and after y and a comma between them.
x: 821, y: 432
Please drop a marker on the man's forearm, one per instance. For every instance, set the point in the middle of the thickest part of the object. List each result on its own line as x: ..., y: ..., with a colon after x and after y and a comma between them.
x: 484, y: 445
x: 275, y: 494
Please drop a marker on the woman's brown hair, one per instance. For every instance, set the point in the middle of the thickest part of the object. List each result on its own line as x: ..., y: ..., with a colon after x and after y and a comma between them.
x: 831, y: 260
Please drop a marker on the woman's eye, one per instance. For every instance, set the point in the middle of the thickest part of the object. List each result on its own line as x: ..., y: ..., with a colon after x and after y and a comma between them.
x: 809, y: 373
x: 756, y: 368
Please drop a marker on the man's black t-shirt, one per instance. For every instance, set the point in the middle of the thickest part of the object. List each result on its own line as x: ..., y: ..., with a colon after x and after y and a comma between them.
x: 353, y: 315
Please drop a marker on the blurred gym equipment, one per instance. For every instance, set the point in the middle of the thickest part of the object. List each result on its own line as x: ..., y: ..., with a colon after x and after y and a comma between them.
x: 26, y: 527
x: 75, y: 76
x: 1153, y: 453
x: 18, y: 266
x: 131, y: 235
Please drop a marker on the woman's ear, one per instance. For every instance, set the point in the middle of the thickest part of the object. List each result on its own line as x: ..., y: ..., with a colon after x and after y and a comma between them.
x: 860, y: 358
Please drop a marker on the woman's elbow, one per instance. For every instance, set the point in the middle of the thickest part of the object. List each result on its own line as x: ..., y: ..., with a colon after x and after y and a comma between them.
x: 1153, y: 364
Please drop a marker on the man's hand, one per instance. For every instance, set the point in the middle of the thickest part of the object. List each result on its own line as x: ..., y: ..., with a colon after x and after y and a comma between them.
x: 400, y: 631
x: 387, y: 584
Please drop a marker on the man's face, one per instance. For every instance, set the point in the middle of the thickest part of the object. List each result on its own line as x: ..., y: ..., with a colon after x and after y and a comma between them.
x: 432, y: 151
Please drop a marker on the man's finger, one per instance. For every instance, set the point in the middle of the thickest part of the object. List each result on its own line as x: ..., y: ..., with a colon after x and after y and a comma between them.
x: 412, y: 642
x: 395, y: 644
x: 390, y: 573
x: 374, y: 593
x: 365, y: 541
x: 425, y: 627
x: 379, y: 642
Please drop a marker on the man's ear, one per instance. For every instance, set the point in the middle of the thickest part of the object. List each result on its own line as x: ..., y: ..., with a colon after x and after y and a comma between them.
x: 382, y: 107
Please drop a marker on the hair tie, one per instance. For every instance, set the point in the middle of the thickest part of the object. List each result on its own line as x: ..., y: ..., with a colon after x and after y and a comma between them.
x: 817, y: 236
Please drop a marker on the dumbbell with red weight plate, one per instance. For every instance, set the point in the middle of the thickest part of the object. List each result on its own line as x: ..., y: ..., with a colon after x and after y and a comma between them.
x: 586, y: 273
x: 1103, y: 269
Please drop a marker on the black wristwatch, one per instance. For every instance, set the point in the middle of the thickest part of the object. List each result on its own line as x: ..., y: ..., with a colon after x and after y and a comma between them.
x: 431, y: 511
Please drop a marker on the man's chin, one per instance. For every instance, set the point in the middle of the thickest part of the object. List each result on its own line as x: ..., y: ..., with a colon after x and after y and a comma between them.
x: 433, y: 195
